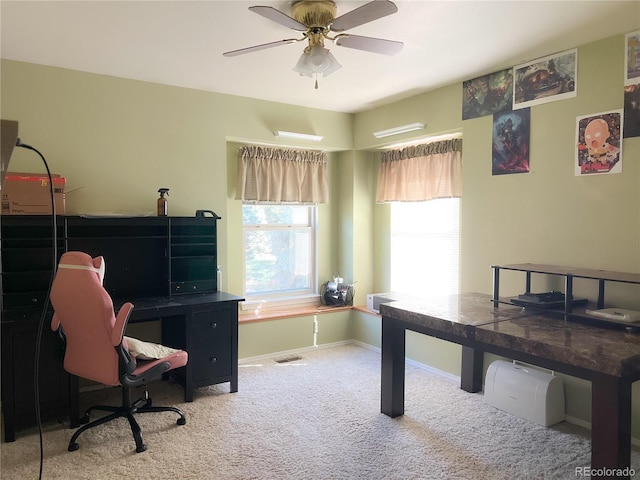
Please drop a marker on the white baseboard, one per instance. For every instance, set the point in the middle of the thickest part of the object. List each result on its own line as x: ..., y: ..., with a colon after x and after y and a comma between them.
x: 422, y: 366
x: 289, y: 353
x: 579, y: 422
x: 298, y: 351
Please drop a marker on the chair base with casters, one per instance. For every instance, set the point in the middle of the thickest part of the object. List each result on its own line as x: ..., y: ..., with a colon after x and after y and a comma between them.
x: 127, y: 410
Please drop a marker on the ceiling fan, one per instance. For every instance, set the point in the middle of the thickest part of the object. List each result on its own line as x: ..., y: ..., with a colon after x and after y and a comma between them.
x: 316, y: 19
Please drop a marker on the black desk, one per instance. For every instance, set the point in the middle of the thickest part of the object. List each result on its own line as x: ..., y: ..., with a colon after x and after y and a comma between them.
x: 609, y: 358
x: 166, y: 266
x: 205, y: 325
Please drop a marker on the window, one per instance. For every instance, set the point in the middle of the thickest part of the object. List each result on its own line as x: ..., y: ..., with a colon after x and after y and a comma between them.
x: 425, y: 247
x: 280, y: 252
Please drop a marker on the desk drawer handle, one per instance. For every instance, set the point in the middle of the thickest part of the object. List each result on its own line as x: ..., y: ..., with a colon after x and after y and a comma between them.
x: 213, y: 359
x: 214, y: 325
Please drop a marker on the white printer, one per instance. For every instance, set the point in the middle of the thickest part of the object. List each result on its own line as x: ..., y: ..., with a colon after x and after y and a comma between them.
x: 525, y: 391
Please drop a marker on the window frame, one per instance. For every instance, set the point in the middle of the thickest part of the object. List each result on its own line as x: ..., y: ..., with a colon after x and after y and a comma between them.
x: 304, y: 298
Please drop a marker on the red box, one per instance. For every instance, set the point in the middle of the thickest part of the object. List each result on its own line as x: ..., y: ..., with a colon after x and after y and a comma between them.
x: 29, y: 194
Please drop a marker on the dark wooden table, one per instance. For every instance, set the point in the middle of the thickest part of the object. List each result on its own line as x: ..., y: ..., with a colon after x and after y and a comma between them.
x: 609, y: 358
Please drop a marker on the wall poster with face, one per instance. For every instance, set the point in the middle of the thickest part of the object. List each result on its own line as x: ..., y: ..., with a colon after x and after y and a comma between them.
x: 599, y: 143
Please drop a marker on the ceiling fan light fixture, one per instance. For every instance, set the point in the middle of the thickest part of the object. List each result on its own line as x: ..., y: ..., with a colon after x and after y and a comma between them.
x: 333, y: 64
x: 302, y: 66
x: 398, y: 130
x: 315, y: 60
x: 318, y: 58
x: 298, y: 136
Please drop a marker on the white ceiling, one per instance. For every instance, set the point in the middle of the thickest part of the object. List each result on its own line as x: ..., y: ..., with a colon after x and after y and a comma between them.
x: 181, y: 43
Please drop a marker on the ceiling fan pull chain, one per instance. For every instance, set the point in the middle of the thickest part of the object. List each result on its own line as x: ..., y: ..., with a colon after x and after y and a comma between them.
x: 316, y: 81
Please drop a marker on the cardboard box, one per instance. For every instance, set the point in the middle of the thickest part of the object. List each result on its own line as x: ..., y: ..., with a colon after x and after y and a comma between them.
x: 29, y: 194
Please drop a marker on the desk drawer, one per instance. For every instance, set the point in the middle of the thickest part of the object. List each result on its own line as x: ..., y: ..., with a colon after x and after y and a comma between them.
x: 210, y: 355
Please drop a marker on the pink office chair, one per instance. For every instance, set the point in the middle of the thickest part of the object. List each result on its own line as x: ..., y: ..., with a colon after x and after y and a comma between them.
x: 95, y: 348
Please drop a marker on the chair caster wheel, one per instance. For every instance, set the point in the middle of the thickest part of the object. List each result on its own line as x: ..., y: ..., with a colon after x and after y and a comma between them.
x: 181, y: 421
x: 141, y: 448
x: 73, y: 447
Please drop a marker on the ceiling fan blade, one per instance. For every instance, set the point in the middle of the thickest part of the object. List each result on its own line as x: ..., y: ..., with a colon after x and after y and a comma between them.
x: 255, y: 48
x: 279, y: 17
x: 370, y: 44
x: 364, y: 14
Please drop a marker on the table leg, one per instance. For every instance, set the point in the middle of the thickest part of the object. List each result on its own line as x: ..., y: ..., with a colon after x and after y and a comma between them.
x: 393, y: 362
x: 610, y: 422
x: 471, y: 374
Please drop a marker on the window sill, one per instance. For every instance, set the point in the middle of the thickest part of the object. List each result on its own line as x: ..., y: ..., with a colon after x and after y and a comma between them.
x: 364, y: 309
x: 275, y: 314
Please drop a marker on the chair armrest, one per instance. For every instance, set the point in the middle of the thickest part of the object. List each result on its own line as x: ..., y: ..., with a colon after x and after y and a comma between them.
x: 141, y: 376
x: 55, y: 322
x: 121, y: 322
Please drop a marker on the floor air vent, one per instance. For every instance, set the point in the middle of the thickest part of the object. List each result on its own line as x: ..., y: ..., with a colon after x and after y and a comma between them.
x: 293, y: 358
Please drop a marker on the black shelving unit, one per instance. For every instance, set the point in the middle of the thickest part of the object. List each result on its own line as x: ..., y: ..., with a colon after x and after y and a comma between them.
x: 194, y: 263
x: 571, y: 310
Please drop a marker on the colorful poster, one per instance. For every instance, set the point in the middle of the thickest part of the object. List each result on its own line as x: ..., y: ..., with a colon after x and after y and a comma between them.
x: 632, y: 58
x: 599, y: 146
x: 545, y: 80
x: 631, y: 111
x: 487, y: 95
x: 510, y: 150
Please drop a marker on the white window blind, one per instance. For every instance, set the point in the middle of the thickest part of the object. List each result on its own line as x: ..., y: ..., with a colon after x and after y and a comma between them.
x: 425, y: 247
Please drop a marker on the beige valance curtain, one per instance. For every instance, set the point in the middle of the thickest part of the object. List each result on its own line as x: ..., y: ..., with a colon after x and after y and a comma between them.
x: 421, y: 172
x: 277, y: 175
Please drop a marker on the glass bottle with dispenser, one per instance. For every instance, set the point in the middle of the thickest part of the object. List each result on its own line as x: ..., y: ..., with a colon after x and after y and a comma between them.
x: 163, y: 206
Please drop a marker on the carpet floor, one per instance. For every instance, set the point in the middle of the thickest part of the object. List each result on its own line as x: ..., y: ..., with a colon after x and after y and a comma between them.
x: 316, y: 417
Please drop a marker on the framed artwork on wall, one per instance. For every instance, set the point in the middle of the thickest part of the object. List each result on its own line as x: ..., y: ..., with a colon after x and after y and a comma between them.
x: 510, y: 142
x: 487, y: 94
x: 599, y: 145
x: 545, y: 80
x: 631, y: 111
x: 632, y: 85
x: 632, y: 58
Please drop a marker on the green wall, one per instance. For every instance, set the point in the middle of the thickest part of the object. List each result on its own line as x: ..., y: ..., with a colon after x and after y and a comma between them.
x: 117, y: 141
x: 546, y: 216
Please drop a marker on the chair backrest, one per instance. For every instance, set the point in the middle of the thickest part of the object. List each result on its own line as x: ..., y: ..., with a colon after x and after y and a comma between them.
x: 84, y: 310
